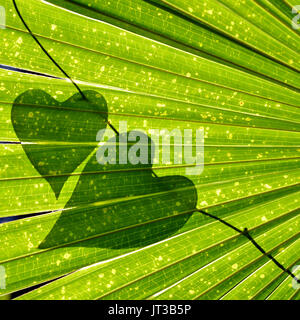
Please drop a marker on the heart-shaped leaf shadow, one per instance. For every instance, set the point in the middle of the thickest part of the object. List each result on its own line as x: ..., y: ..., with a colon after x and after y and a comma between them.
x: 126, y: 203
x: 58, y: 136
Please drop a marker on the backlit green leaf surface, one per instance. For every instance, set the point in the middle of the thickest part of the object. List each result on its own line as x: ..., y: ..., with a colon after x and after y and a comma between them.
x: 118, y: 231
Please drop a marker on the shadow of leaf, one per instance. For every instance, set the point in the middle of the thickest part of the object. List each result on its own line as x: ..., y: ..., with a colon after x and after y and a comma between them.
x: 53, y: 131
x: 125, y: 203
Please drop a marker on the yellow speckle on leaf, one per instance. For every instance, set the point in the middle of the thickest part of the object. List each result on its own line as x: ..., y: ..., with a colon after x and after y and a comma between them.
x: 235, y: 266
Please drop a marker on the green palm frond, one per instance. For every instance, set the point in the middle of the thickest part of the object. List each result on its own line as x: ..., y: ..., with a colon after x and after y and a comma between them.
x: 230, y: 68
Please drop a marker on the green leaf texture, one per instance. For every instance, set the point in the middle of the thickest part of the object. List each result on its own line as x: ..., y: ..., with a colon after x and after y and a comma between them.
x: 230, y: 68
